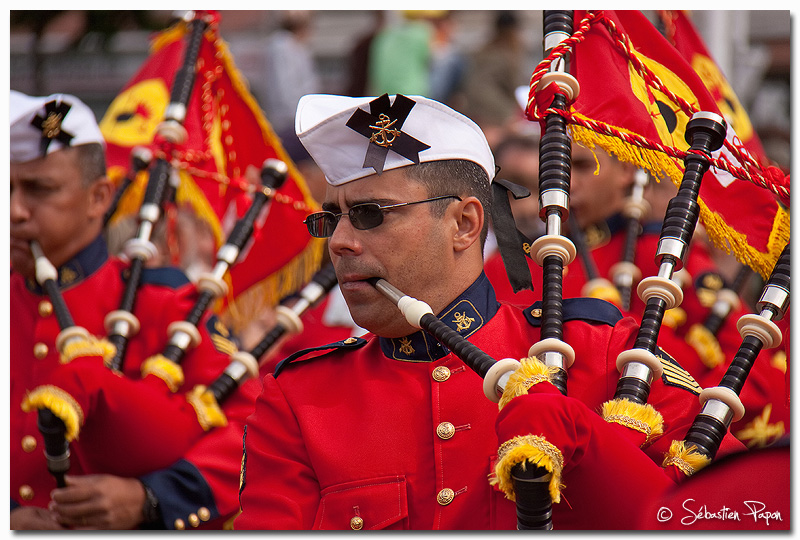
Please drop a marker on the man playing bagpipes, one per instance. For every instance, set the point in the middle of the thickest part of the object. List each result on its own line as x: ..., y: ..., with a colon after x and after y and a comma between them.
x: 59, y: 195
x: 391, y: 431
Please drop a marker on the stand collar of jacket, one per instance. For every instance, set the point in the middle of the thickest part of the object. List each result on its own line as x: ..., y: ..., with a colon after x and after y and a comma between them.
x: 466, y: 315
x: 84, y: 264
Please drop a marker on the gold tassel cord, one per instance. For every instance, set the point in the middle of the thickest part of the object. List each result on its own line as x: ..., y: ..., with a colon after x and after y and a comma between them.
x: 528, y: 449
x: 643, y: 418
x: 688, y: 460
x: 531, y: 372
x: 209, y: 413
x: 78, y: 348
x: 165, y: 369
x: 60, y: 403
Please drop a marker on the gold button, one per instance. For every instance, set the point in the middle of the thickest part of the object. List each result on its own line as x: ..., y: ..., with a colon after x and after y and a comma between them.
x: 350, y: 340
x: 45, y: 308
x: 204, y: 513
x: 26, y: 492
x: 29, y: 443
x: 179, y: 525
x: 441, y: 374
x: 40, y: 350
x: 194, y: 521
x: 356, y: 523
x: 445, y: 496
x: 445, y: 430
x: 536, y: 312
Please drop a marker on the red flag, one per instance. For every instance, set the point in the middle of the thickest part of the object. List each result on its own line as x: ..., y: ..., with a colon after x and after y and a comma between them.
x: 227, y: 132
x: 637, y: 94
x: 681, y: 33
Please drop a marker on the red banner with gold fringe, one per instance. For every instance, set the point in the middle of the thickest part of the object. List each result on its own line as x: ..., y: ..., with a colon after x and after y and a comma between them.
x: 227, y: 133
x: 637, y: 92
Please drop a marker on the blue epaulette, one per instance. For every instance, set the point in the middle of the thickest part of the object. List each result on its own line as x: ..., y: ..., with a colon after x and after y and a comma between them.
x: 349, y: 343
x: 592, y: 310
x: 652, y: 227
x: 166, y: 276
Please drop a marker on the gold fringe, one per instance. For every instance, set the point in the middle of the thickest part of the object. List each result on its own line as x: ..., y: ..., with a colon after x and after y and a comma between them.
x: 171, y: 34
x: 721, y: 234
x: 531, y: 372
x: 77, y: 348
x: 165, y: 369
x: 705, y: 343
x: 60, y: 403
x: 688, y: 460
x: 209, y: 413
x: 525, y: 449
x: 643, y: 418
x: 674, y: 317
x: 268, y: 292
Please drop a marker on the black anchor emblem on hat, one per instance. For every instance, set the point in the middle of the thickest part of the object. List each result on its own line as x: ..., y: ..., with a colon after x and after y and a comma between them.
x: 382, y: 126
x: 50, y: 124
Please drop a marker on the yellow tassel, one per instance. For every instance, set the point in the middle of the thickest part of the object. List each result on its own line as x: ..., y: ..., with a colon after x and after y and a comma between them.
x: 643, y: 418
x: 165, y: 369
x: 705, y: 343
x: 527, y: 449
x: 604, y: 291
x: 688, y: 460
x: 674, y: 317
x: 60, y: 403
x: 209, y: 413
x: 78, y: 348
x: 532, y: 371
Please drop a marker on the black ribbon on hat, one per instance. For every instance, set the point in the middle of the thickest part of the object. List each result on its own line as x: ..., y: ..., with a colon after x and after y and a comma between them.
x: 50, y: 124
x: 382, y: 126
x: 510, y: 241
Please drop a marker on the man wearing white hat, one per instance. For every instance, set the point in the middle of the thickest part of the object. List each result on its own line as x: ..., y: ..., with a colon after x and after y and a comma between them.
x: 393, y: 431
x: 59, y: 195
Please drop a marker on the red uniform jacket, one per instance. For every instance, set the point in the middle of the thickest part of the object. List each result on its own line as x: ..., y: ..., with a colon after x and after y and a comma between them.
x: 204, y: 482
x: 382, y: 432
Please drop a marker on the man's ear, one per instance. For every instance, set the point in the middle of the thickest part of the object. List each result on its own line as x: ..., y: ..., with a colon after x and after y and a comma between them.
x: 469, y: 221
x: 101, y: 195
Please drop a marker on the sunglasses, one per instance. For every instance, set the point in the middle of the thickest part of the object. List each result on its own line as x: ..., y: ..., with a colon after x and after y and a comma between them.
x: 363, y: 216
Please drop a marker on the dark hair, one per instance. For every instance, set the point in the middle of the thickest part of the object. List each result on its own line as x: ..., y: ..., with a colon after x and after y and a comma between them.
x: 91, y: 161
x: 454, y: 177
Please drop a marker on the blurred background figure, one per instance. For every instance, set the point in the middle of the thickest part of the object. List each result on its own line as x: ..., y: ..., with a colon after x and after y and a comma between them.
x: 400, y: 55
x: 289, y: 71
x: 494, y: 72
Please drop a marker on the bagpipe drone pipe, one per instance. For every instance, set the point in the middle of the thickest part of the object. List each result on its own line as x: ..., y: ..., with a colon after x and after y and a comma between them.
x: 721, y: 404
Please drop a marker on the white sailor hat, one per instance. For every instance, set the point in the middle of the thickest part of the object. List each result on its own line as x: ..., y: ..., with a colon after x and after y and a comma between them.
x: 41, y: 125
x: 353, y: 137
